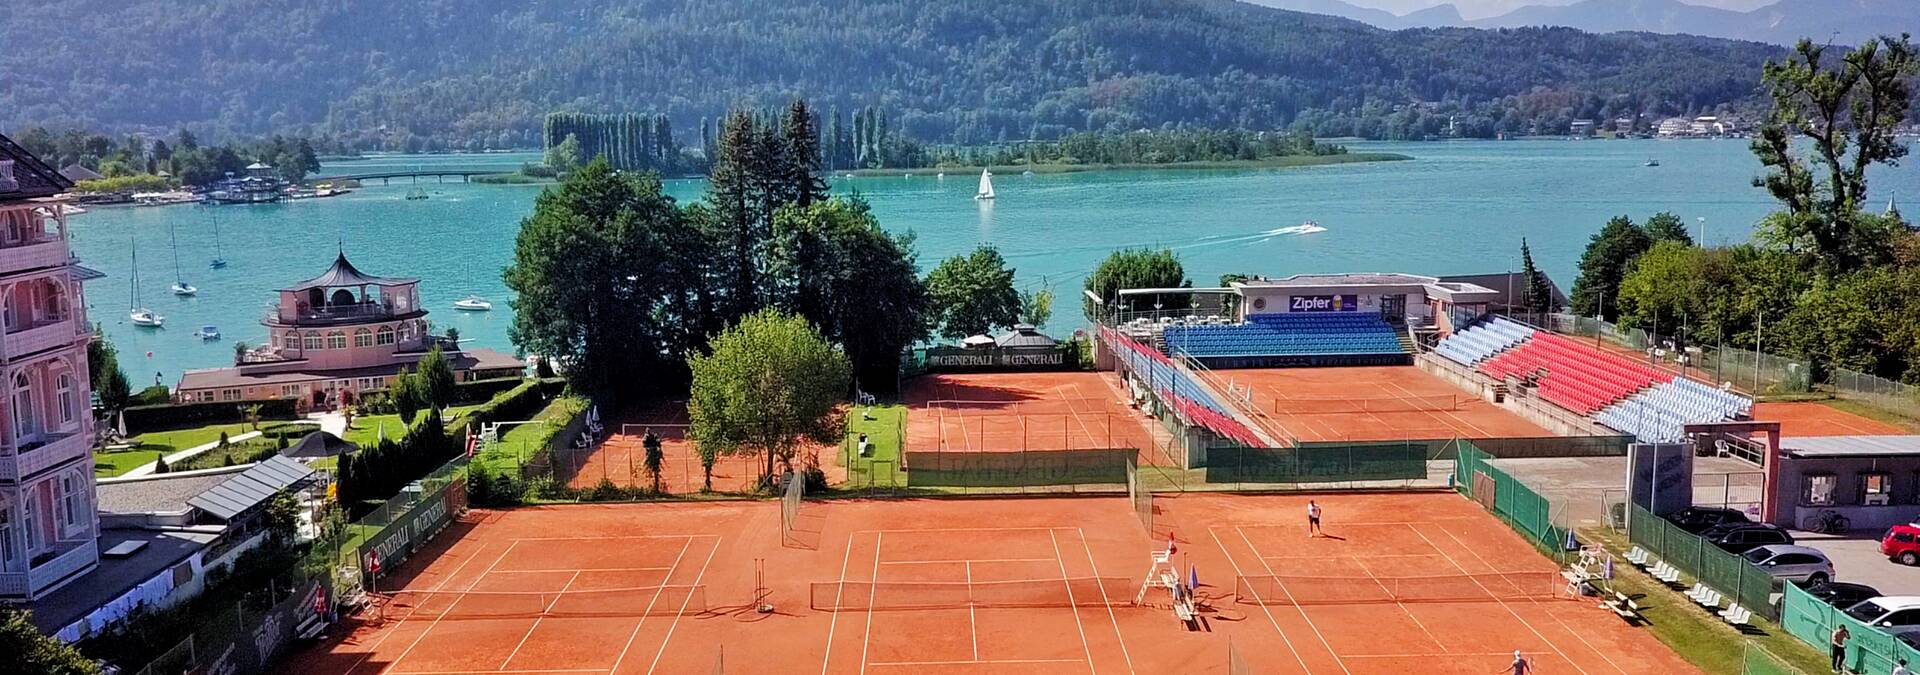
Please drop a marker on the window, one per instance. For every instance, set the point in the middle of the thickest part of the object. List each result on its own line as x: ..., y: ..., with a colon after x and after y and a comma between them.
x: 363, y: 338
x: 386, y: 335
x: 204, y: 396
x: 229, y: 394
x: 70, y: 500
x: 312, y: 341
x: 22, y: 406
x: 27, y: 522
x: 336, y: 340
x: 65, y: 389
x: 7, y: 554
x: 1819, y: 490
x: 1876, y: 488
x: 290, y: 390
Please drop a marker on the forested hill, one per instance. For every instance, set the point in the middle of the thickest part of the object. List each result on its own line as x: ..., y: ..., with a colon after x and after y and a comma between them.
x: 454, y: 71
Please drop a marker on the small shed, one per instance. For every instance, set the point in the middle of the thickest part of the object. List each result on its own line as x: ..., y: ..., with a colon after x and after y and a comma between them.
x: 1024, y: 335
x: 1872, y: 480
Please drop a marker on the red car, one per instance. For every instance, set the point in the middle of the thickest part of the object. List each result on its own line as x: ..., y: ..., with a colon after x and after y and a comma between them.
x: 1902, y: 543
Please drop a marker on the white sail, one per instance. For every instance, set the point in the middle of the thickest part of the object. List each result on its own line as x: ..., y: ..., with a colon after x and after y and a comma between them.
x: 986, y: 185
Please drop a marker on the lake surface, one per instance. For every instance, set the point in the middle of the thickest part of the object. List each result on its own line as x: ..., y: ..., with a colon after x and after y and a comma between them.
x: 1458, y: 208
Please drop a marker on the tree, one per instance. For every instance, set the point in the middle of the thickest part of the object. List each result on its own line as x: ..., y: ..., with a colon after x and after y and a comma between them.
x: 565, y: 157
x: 408, y: 396
x: 973, y: 294
x: 1665, y: 226
x: 1539, y: 291
x: 437, y: 381
x: 1663, y: 288
x: 103, y: 370
x: 734, y: 191
x: 770, y: 384
x: 1136, y: 268
x: 1036, y: 307
x: 283, y: 517
x: 802, y: 155
x: 1597, y: 290
x: 612, y: 281
x: 1849, y: 111
x: 831, y: 263
x: 655, y: 457
x: 35, y: 653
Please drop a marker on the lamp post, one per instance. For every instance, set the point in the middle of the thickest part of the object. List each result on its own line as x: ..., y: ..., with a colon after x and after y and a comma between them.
x: 1703, y: 231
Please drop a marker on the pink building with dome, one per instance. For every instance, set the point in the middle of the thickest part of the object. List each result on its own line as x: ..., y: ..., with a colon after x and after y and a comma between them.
x: 335, y: 336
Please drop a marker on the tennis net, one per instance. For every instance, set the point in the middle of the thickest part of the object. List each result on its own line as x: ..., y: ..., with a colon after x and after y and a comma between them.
x: 1027, y: 406
x: 884, y: 595
x: 614, y: 602
x: 1388, y: 404
x: 1312, y: 590
x: 790, y: 504
x: 665, y: 432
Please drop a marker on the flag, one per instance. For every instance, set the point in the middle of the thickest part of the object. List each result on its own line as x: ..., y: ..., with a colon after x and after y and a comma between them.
x: 1172, y: 545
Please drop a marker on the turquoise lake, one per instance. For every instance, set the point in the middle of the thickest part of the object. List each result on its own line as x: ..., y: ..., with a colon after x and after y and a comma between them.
x: 1456, y: 208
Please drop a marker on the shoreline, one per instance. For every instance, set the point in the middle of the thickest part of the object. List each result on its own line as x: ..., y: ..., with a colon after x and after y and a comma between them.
x: 1285, y: 162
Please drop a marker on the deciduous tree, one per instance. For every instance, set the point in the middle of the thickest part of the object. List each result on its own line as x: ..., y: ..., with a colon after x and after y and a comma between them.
x: 1597, y: 291
x: 770, y: 384
x: 973, y: 294
x: 1136, y: 268
x: 30, y: 652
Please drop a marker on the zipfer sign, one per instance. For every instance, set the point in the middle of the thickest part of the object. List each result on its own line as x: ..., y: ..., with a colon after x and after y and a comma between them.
x: 1323, y: 303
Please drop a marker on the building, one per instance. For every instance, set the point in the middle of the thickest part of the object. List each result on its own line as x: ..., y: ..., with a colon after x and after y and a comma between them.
x: 1510, y: 291
x: 1582, y: 127
x: 1413, y: 299
x: 336, y: 336
x: 48, y: 530
x: 1674, y: 126
x: 1872, y: 480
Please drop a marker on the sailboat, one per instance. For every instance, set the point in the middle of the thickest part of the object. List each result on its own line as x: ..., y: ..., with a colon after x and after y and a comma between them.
x: 180, y: 285
x: 140, y: 316
x: 218, y: 260
x: 473, y: 303
x: 986, y: 185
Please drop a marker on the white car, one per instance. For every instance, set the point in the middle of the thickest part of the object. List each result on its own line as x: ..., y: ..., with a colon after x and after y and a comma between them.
x: 1798, y: 564
x: 1888, y: 612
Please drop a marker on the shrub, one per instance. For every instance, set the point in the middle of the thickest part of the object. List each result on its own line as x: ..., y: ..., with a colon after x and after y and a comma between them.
x: 144, y: 418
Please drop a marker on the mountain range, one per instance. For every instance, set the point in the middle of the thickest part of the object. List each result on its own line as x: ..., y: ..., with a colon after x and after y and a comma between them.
x: 418, y: 74
x: 1783, y: 22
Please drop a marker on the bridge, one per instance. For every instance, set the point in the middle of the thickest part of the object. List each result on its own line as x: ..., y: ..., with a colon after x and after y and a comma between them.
x: 386, y: 176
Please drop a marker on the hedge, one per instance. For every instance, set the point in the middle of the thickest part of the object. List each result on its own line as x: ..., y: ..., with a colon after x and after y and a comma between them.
x: 483, y: 390
x: 145, y: 418
x: 379, y: 472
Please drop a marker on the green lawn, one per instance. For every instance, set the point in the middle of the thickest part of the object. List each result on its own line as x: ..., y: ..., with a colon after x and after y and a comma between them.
x: 1701, y: 638
x: 365, y: 431
x: 110, y: 464
x: 883, y: 434
x: 176, y: 440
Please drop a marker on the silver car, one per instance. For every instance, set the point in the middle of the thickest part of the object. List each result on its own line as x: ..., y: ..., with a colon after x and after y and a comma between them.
x: 1798, y: 564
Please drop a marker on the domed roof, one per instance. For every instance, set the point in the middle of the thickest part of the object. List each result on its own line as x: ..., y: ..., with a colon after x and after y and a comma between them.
x: 343, y: 273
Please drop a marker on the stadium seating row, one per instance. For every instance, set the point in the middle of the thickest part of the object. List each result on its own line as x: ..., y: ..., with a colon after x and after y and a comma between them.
x: 1187, y: 396
x: 1574, y: 376
x: 1660, y: 414
x: 1298, y: 334
x: 1483, y: 340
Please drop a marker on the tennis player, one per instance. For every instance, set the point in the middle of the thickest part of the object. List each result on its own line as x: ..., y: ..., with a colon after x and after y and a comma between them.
x: 1313, y: 519
x: 1520, y: 665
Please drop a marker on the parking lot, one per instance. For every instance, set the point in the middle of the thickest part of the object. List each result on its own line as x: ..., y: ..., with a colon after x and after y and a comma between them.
x: 1856, y: 558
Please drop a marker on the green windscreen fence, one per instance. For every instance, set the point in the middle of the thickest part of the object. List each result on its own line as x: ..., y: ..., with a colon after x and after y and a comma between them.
x: 1869, y: 650
x: 1510, y: 500
x: 1730, y: 574
x: 1020, y: 469
x: 1756, y: 660
x: 1318, y: 463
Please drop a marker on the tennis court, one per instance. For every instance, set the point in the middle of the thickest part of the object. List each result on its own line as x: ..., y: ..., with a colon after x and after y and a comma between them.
x: 1806, y: 418
x: 1414, y: 582
x: 1369, y: 403
x: 1022, y: 411
x: 621, y: 457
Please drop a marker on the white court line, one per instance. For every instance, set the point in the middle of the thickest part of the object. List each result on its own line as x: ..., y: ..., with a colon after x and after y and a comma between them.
x: 1075, y: 607
x: 585, y: 569
x: 537, y: 620
x: 697, y: 577
x: 1104, y: 600
x: 1563, y: 624
x: 1476, y: 428
x: 881, y: 664
x: 1369, y: 555
x: 1503, y: 603
x: 1430, y: 655
x: 1263, y: 606
x: 1296, y: 605
x: 955, y: 529
x: 1401, y: 605
x: 873, y: 588
x: 968, y: 561
x: 973, y: 625
x: 449, y: 610
x: 649, y: 610
x: 834, y: 622
x: 396, y: 626
x: 495, y: 672
x: 620, y: 536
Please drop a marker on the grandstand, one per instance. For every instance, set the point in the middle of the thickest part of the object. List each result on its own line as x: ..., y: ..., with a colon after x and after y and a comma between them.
x: 1286, y: 335
x: 1190, y: 399
x: 1614, y: 390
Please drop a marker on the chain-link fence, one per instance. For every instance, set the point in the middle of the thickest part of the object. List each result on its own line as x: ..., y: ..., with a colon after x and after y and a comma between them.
x: 1756, y: 660
x: 1869, y: 650
x: 1512, y: 501
x: 1878, y: 390
x: 1730, y: 574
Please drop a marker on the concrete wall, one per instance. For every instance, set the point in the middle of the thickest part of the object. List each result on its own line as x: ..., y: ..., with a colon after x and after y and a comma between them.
x: 1791, y: 491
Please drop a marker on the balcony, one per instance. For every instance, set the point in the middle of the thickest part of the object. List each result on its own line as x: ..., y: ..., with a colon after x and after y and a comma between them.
x: 42, y: 251
x: 50, y: 570
x: 44, y: 335
x: 336, y: 314
x: 53, y: 450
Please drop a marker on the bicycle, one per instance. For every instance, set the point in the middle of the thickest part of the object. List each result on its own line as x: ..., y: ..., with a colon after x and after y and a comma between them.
x: 1829, y: 522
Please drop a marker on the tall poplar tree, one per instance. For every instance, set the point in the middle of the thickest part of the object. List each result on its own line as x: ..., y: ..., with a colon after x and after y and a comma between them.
x: 801, y: 156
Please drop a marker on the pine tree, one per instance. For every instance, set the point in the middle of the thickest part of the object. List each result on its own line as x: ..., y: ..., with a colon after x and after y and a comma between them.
x: 835, y: 135
x: 801, y: 156
x: 1539, y: 291
x: 733, y: 195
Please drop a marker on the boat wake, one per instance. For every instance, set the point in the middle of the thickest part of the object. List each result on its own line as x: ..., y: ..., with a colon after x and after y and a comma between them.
x: 1261, y: 237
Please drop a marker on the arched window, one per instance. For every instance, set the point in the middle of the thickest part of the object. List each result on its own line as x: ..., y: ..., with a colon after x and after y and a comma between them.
x: 6, y: 310
x: 363, y: 338
x: 386, y: 335
x: 7, y: 551
x: 22, y: 407
x: 336, y: 340
x: 312, y: 342
x: 406, y: 331
x: 65, y: 392
x: 72, y: 500
x: 341, y: 297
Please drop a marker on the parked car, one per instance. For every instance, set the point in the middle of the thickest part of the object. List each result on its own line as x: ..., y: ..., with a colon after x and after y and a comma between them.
x: 1887, y: 612
x: 1697, y: 519
x: 1739, y: 537
x: 1798, y: 564
x: 1902, y: 543
x: 1841, y: 594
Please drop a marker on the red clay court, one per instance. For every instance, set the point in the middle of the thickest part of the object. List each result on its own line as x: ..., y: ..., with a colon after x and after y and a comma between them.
x: 984, y: 585
x: 1371, y: 403
x: 1023, y: 411
x: 622, y: 456
x: 1815, y: 419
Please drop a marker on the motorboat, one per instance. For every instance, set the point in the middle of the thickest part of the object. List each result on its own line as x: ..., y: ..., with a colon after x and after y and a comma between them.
x: 208, y: 333
x: 473, y: 303
x: 146, y: 318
